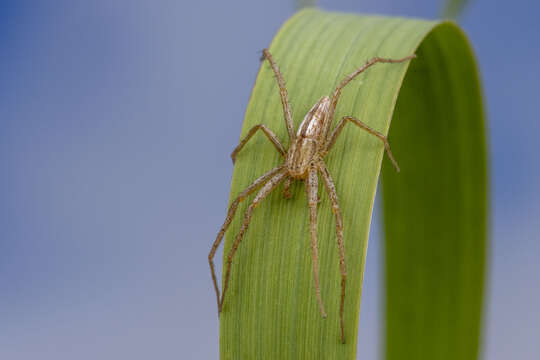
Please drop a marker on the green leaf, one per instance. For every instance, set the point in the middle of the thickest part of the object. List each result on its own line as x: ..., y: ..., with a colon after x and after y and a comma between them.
x: 434, y: 210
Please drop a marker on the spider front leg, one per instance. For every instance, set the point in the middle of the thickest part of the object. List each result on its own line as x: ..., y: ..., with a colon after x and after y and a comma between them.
x: 351, y: 76
x: 312, y: 186
x: 269, y: 134
x: 283, y: 94
x: 261, y: 195
x: 230, y: 215
x: 331, y: 190
x: 337, y: 130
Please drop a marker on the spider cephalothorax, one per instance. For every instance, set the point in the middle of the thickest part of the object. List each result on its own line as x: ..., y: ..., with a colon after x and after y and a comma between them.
x: 303, y: 161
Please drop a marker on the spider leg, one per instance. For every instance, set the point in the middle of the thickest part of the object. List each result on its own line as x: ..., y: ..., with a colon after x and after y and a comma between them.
x: 337, y: 130
x: 312, y: 186
x: 287, y: 188
x: 270, y: 185
x: 269, y: 134
x: 331, y: 190
x: 230, y: 215
x: 283, y: 93
x: 351, y: 76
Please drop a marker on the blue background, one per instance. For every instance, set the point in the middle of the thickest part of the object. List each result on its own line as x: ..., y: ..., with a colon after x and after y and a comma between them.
x: 115, y: 170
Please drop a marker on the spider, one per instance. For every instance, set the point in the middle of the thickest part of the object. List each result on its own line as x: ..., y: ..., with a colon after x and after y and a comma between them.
x: 302, y: 161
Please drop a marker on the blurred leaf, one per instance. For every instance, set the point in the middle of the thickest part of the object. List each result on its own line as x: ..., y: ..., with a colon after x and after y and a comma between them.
x: 453, y: 8
x: 300, y: 4
x: 434, y: 210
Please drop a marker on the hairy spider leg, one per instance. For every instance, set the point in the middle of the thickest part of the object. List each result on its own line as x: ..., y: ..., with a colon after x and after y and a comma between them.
x: 230, y: 215
x: 312, y: 187
x: 270, y: 185
x: 351, y: 76
x: 284, y: 95
x: 337, y: 130
x: 331, y: 190
x: 287, y: 188
x: 269, y: 134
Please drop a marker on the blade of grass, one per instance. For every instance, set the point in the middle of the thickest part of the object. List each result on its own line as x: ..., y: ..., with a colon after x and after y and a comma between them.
x: 271, y: 310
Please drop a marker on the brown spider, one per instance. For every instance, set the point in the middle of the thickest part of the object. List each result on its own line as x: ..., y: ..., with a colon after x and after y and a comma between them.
x: 303, y: 161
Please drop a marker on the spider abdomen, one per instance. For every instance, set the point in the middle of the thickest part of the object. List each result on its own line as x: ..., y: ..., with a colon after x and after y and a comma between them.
x: 313, y: 124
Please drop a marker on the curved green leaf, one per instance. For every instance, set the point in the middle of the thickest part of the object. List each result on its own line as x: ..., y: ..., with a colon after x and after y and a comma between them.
x: 434, y: 210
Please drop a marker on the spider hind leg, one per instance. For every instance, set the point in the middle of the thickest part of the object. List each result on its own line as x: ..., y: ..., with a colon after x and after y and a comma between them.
x: 312, y: 186
x: 331, y: 190
x: 270, y: 185
x: 230, y: 215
